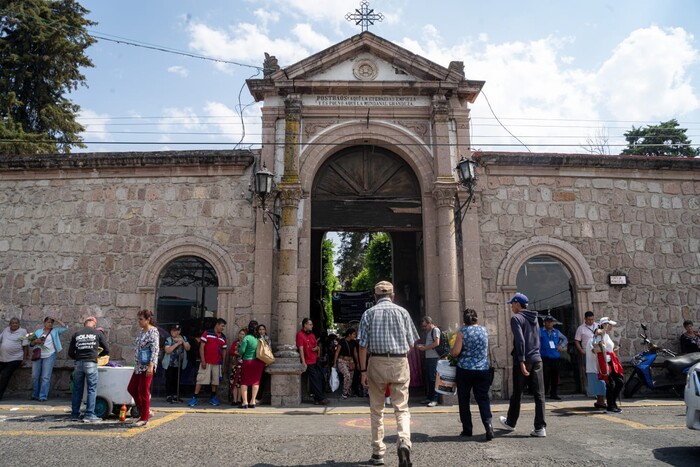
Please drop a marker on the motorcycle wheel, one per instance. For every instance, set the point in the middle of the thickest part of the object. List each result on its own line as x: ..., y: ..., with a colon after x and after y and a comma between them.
x: 632, y: 385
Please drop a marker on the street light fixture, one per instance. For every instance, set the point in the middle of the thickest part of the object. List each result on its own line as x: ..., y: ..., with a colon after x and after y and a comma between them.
x: 466, y: 170
x: 264, y: 181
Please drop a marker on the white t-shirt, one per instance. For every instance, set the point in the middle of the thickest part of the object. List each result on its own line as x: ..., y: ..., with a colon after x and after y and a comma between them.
x: 11, y: 344
x: 49, y: 346
x: 431, y: 353
x: 585, y: 333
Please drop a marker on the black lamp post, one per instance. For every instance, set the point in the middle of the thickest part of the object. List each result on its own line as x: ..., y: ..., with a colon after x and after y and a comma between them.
x: 466, y: 170
x: 264, y: 180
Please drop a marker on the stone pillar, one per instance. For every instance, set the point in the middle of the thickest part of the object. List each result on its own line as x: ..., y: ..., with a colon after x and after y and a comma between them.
x: 442, y: 150
x: 286, y: 371
x: 449, y: 313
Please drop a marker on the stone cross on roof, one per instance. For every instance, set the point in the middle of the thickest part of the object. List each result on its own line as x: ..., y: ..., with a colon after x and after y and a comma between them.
x: 364, y: 16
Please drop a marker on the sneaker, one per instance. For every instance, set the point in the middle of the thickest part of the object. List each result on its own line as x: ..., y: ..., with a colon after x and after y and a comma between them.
x: 75, y: 419
x: 91, y: 419
x: 344, y: 396
x: 376, y: 459
x: 539, y: 433
x: 192, y: 401
x: 426, y: 401
x: 214, y: 401
x: 169, y: 399
x: 614, y: 409
x: 598, y: 405
x: 432, y: 404
x: 504, y: 424
x: 404, y: 453
x: 556, y: 398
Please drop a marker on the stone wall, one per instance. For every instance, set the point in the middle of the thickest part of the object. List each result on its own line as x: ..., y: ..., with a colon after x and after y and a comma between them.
x: 637, y: 215
x: 77, y: 232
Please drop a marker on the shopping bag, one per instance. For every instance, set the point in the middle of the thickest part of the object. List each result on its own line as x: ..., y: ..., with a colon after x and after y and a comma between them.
x: 334, y: 382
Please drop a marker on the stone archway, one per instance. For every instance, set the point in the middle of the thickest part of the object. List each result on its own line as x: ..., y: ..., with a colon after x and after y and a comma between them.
x: 506, y: 283
x: 189, y: 246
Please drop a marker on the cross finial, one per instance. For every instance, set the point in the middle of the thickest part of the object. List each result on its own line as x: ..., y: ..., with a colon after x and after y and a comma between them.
x: 364, y: 16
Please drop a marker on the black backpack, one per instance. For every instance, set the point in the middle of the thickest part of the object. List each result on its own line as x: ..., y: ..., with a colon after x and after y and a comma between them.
x: 443, y: 348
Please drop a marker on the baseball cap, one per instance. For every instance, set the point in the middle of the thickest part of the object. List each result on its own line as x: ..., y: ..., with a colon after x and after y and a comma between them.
x: 383, y: 288
x: 520, y: 298
x: 606, y: 320
x: 548, y: 318
x: 175, y: 327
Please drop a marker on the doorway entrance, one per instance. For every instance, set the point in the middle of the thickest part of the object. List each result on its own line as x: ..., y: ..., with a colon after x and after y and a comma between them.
x: 550, y: 286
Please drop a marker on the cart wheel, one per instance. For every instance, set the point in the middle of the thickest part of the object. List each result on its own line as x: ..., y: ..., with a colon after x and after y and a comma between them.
x: 103, y: 407
x: 135, y: 412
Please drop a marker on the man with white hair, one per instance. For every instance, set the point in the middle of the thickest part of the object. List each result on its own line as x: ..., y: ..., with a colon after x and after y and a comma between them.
x: 387, y: 333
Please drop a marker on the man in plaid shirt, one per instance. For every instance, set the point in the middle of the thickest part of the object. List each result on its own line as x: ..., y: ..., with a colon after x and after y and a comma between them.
x: 387, y: 333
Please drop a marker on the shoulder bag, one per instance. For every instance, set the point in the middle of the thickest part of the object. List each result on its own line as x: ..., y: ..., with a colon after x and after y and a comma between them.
x: 264, y: 352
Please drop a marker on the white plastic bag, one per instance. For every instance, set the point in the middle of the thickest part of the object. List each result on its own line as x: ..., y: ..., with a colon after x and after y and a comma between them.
x: 334, y: 382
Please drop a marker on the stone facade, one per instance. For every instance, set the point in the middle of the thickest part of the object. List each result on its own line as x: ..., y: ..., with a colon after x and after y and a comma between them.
x: 89, y: 234
x: 595, y: 214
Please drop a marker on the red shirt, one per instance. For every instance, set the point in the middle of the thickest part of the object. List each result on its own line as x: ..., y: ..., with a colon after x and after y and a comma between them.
x: 308, y: 342
x: 213, y: 345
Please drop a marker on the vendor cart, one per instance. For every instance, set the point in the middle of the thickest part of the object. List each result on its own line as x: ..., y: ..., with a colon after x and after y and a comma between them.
x: 111, y: 391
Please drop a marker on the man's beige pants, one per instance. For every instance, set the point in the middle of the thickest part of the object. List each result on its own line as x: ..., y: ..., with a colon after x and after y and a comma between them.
x: 394, y: 372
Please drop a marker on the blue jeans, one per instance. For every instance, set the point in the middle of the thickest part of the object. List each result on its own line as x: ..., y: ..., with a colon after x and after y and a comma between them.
x: 41, y: 376
x: 431, y: 373
x: 84, y: 371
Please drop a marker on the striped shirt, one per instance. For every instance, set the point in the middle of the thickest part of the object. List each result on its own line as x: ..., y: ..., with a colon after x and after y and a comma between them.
x: 387, y: 328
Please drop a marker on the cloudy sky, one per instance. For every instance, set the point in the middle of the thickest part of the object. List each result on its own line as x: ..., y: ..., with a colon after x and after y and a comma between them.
x: 559, y: 74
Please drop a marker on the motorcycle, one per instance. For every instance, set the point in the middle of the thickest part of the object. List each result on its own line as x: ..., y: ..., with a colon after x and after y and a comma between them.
x: 672, y: 375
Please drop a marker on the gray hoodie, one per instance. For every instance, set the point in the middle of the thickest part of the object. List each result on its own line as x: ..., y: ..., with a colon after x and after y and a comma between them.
x: 526, y: 336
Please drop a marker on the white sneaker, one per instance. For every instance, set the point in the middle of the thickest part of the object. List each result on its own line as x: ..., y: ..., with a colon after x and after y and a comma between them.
x: 539, y: 433
x: 432, y: 404
x: 504, y: 425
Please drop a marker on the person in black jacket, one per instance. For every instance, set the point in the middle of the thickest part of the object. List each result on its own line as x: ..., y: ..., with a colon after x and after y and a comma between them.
x: 84, y: 348
x: 527, y: 363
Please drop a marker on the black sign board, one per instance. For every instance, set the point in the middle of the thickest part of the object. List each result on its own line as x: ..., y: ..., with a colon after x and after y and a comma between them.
x: 349, y: 306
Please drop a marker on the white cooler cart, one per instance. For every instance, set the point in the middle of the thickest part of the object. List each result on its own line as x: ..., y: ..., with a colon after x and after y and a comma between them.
x: 111, y: 391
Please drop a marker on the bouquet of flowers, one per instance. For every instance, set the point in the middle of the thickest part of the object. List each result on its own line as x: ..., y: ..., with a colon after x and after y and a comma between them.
x: 450, y: 335
x: 32, y: 337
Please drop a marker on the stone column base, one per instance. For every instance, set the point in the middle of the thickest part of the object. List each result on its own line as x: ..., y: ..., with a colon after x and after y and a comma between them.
x: 285, y: 374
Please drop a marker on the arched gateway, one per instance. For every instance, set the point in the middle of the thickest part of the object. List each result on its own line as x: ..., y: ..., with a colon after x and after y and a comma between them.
x: 371, y: 151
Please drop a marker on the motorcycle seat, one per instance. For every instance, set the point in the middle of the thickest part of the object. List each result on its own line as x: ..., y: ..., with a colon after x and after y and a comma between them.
x: 681, y: 362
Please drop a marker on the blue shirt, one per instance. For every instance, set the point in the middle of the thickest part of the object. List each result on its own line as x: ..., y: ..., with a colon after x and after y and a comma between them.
x: 549, y: 341
x: 475, y: 348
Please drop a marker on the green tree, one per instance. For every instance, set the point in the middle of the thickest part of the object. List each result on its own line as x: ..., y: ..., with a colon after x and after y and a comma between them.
x: 42, y: 50
x: 664, y: 139
x: 329, y: 281
x: 351, y: 256
x: 377, y: 263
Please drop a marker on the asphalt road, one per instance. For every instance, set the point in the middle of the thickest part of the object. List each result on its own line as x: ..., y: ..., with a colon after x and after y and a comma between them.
x: 644, y: 434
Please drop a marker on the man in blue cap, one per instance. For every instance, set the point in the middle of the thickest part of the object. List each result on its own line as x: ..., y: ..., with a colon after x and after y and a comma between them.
x: 527, y: 363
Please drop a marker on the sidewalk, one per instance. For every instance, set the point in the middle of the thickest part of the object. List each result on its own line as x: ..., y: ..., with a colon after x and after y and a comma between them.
x: 352, y: 406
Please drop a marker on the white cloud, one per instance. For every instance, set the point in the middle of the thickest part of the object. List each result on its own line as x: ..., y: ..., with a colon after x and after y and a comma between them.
x: 647, y: 75
x: 180, y: 119
x: 179, y: 70
x: 95, y: 125
x: 248, y: 43
x: 529, y: 84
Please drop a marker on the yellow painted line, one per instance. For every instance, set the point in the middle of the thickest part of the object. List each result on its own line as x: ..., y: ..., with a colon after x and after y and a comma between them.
x: 58, y: 433
x: 129, y: 433
x: 151, y: 424
x: 636, y: 425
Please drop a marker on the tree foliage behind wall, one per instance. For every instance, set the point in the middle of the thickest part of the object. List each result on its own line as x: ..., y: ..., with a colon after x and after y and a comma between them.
x: 377, y: 263
x: 42, y: 50
x: 329, y: 281
x: 665, y: 139
x: 351, y: 256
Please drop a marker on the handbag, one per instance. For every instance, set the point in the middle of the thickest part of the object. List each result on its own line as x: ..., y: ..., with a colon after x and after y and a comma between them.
x: 145, y: 356
x: 36, y: 354
x: 264, y: 352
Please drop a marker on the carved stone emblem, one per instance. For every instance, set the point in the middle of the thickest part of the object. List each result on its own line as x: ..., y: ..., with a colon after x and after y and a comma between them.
x: 365, y: 70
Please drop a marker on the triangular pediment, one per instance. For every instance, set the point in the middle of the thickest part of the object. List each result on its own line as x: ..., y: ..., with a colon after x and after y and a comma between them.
x: 393, y: 63
x: 365, y: 64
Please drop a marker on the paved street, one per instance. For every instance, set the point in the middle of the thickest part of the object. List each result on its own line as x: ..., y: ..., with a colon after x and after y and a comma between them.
x: 649, y: 432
